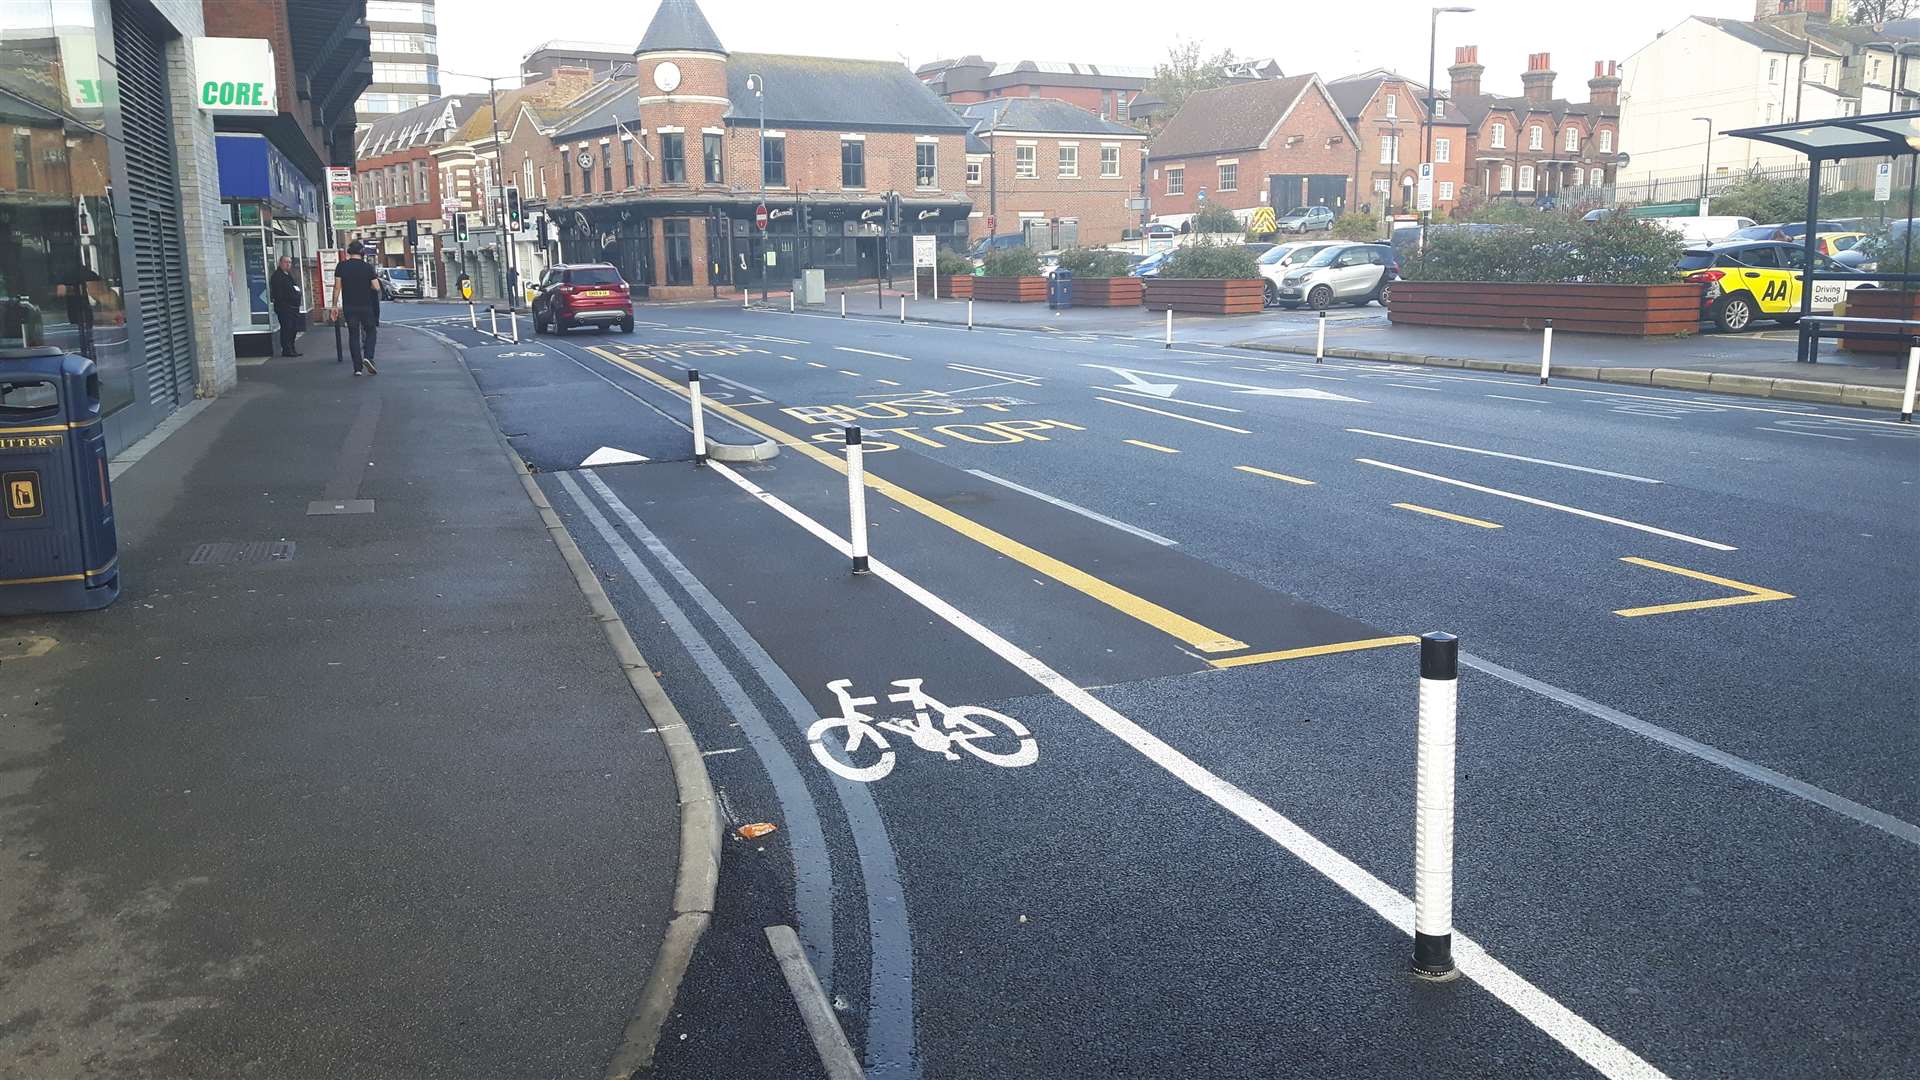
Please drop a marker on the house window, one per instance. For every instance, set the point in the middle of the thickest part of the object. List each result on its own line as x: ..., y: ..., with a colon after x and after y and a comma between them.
x: 1393, y: 103
x: 773, y: 161
x: 606, y: 166
x: 566, y: 176
x: 1506, y: 178
x: 586, y: 174
x: 1177, y: 181
x: 1598, y: 178
x: 925, y: 168
x: 1109, y: 161
x: 973, y: 172
x: 1526, y: 178
x: 1069, y: 162
x: 711, y: 158
x: 1573, y: 140
x: 679, y: 252
x: 853, y: 163
x: 1123, y: 105
x: 1499, y: 140
x: 1389, y: 149
x: 1536, y: 137
x: 526, y: 174
x: 1230, y: 177
x: 673, y: 157
x: 626, y: 157
x: 1446, y: 191
x: 1439, y: 110
x: 1442, y: 150
x: 1026, y: 164
x: 543, y: 183
x: 1606, y: 140
x: 1773, y: 71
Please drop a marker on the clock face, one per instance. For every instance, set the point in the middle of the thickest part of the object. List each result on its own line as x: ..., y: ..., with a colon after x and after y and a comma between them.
x: 667, y: 77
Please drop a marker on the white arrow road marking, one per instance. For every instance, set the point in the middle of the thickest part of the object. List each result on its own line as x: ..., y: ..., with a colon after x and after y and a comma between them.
x: 1133, y: 377
x: 608, y: 455
x: 1305, y: 393
x: 1135, y: 382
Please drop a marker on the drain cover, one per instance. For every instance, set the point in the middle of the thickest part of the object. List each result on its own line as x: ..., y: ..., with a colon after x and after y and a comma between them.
x: 236, y: 552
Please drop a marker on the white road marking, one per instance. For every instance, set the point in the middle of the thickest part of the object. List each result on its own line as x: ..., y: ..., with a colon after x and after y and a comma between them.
x: 781, y: 340
x: 1808, y: 434
x: 1175, y: 415
x: 1509, y: 457
x: 870, y: 352
x: 1528, y: 400
x: 1030, y: 380
x: 1242, y: 388
x: 736, y: 384
x: 1410, y: 386
x: 1562, y: 507
x: 1063, y: 504
x: 608, y: 455
x: 1839, y: 804
x: 1156, y: 397
x: 1576, y: 1034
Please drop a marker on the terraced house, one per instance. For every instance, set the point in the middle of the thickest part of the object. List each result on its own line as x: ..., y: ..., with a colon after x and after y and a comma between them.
x: 1050, y: 171
x: 1537, y: 147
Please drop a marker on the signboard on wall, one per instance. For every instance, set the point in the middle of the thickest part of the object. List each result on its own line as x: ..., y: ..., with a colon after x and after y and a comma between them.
x: 340, y: 197
x: 1883, y: 181
x: 235, y: 76
x: 1424, y: 202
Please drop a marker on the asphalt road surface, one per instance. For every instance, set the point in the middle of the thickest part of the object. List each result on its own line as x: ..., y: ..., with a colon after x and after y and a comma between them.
x: 1168, y: 594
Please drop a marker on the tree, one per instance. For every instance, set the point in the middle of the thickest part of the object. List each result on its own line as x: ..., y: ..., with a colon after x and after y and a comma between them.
x: 1878, y: 12
x: 1186, y: 70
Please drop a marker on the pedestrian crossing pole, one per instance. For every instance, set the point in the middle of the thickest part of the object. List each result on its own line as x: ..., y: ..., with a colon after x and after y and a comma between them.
x: 1320, y: 342
x: 856, y: 502
x: 699, y: 418
x: 1433, y: 808
x: 1546, y: 352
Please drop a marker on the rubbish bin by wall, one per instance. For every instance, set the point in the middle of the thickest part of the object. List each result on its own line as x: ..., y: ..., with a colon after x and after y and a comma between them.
x: 1060, y: 289
x: 59, y: 550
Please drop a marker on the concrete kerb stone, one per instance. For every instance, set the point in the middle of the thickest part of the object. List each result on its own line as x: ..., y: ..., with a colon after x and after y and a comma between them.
x: 1678, y: 379
x: 1753, y: 385
x: 1591, y: 374
x: 1872, y: 397
x: 698, y: 874
x: 1824, y: 393
x: 1638, y: 376
x: 1485, y: 365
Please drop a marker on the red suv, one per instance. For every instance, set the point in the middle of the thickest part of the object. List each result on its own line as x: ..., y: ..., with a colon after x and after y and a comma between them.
x: 580, y: 295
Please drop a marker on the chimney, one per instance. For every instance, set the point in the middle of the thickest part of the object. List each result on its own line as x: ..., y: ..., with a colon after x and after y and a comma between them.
x: 1604, y: 87
x: 1466, y: 71
x: 1537, y: 83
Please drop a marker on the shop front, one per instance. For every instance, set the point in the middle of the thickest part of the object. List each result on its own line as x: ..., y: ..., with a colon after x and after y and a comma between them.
x: 272, y: 212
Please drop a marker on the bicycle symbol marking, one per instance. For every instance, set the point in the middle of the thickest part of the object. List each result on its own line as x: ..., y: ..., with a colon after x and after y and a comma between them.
x: 852, y: 744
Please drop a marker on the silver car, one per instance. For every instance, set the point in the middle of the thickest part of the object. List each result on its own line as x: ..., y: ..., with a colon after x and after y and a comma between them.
x: 1341, y: 273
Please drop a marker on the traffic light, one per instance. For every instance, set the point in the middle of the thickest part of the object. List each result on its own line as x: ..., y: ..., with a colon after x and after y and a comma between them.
x: 893, y: 207
x: 460, y: 227
x: 513, y: 208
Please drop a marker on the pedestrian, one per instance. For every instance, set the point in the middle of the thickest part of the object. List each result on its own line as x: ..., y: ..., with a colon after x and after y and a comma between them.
x: 359, y: 305
x: 283, y: 288
x: 513, y: 285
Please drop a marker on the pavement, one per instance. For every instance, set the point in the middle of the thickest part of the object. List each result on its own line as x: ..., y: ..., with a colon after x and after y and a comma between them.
x: 1164, y: 597
x: 329, y: 792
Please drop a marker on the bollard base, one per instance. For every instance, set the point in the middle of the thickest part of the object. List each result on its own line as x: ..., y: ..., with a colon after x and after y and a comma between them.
x: 699, y: 460
x: 860, y: 565
x: 1433, y: 957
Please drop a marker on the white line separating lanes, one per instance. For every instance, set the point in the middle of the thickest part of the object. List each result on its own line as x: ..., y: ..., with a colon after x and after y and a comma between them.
x: 870, y: 352
x: 1509, y: 457
x: 1562, y: 507
x: 1174, y: 415
x: 1563, y: 1025
x: 1063, y: 504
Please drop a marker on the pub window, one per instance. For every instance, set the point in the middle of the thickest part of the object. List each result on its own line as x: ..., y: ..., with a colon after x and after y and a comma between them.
x: 853, y: 163
x: 586, y: 172
x: 679, y: 252
x: 626, y: 153
x: 711, y: 155
x: 566, y: 179
x: 1176, y: 181
x: 673, y: 157
x: 1230, y: 177
x: 773, y: 161
x: 606, y: 167
x: 22, y: 161
x: 925, y: 171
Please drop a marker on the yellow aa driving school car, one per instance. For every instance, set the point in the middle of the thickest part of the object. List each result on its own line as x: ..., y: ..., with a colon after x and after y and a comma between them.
x: 1756, y: 279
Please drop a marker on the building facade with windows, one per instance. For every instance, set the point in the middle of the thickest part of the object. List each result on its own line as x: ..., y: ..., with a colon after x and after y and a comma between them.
x: 404, y: 45
x: 1538, y: 148
x: 402, y: 205
x: 1271, y: 142
x: 1052, y: 171
x: 1388, y: 113
x: 1109, y: 91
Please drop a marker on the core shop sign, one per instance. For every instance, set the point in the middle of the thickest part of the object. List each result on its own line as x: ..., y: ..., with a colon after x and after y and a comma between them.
x: 983, y: 433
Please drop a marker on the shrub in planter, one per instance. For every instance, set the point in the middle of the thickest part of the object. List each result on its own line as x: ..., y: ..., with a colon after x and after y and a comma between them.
x: 1359, y: 227
x: 1214, y: 218
x: 1211, y: 261
x: 1018, y: 261
x: 1615, y: 250
x: 1089, y: 263
x: 948, y: 261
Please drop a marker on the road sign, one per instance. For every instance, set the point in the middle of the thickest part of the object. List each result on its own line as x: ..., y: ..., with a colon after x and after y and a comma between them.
x: 923, y: 252
x: 1137, y: 202
x: 1263, y: 221
x: 327, y: 260
x: 1424, y: 199
x: 760, y: 217
x: 1883, y: 181
x: 340, y: 197
x: 989, y: 224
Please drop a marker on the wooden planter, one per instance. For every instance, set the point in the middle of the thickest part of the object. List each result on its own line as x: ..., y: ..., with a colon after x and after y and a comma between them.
x: 1010, y: 290
x: 952, y: 286
x: 1108, y: 292
x: 1203, y: 296
x: 1880, y: 304
x: 1635, y: 310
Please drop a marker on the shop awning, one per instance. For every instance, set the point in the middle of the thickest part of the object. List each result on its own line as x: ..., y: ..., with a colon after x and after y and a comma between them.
x: 1843, y: 137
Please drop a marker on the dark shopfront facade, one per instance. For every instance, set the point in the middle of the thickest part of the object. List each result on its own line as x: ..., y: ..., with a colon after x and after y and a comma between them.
x: 686, y: 249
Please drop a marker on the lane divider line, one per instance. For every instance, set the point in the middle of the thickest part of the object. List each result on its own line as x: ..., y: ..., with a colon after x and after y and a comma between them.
x: 1175, y: 415
x: 1755, y: 594
x: 1094, y: 515
x: 1168, y: 622
x: 1184, y: 404
x: 1150, y: 446
x: 1029, y: 380
x: 1572, y: 1031
x: 1271, y: 475
x: 1315, y: 650
x: 1509, y: 457
x: 1562, y: 507
x: 1461, y: 518
x: 870, y: 352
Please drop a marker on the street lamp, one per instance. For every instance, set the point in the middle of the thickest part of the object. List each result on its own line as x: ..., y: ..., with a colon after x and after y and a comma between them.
x: 1433, y: 44
x: 1706, y: 167
x: 758, y: 86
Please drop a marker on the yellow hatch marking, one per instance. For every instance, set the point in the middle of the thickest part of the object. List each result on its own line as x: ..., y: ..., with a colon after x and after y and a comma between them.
x: 1275, y: 475
x: 1461, y: 518
x: 1755, y: 594
x: 1150, y: 446
x: 1314, y: 650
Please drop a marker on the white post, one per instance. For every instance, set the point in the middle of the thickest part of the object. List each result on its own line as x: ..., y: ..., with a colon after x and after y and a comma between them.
x: 746, y: 298
x: 903, y: 308
x: 934, y: 274
x: 969, y: 312
x: 473, y: 318
x: 1433, y: 808
x: 1546, y: 352
x: 856, y: 501
x: 493, y: 320
x: 1913, y: 373
x: 699, y: 419
x: 789, y: 303
x: 1320, y: 344
x: 916, y: 283
x: 513, y: 320
x: 1169, y: 328
x: 843, y: 304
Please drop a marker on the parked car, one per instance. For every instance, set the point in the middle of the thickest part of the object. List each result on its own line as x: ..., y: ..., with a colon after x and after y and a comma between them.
x: 582, y: 294
x: 1150, y: 266
x: 1704, y: 230
x: 1258, y: 248
x: 1760, y: 232
x: 1283, y: 257
x: 1356, y: 274
x: 1756, y: 279
x: 398, y: 283
x: 1158, y: 230
x: 995, y: 243
x: 1306, y: 219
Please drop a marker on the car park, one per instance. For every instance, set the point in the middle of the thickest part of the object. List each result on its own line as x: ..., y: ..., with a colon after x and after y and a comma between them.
x: 1356, y: 274
x: 1306, y: 219
x: 582, y: 294
x: 1747, y: 280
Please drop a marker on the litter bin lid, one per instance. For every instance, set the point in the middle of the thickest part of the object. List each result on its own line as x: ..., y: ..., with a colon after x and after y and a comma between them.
x: 34, y: 353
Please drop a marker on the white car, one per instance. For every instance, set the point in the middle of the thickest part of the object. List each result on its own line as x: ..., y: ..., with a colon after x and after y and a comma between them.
x: 1277, y: 260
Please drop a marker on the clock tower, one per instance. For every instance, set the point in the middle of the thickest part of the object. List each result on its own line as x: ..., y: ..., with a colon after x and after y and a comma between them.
x: 681, y: 72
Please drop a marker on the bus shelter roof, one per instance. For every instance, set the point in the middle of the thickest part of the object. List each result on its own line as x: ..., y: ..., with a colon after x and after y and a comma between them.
x: 1844, y: 137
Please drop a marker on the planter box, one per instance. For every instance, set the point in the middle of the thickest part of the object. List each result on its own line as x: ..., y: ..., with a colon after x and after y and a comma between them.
x: 1880, y: 304
x: 1637, y: 310
x: 1108, y: 292
x: 1202, y: 296
x: 1010, y: 290
x: 952, y: 286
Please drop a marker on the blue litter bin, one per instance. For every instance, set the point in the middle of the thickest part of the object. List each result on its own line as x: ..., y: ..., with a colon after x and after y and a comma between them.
x: 1060, y: 289
x: 59, y: 550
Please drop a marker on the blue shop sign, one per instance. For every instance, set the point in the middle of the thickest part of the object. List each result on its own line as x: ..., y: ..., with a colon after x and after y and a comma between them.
x: 253, y: 168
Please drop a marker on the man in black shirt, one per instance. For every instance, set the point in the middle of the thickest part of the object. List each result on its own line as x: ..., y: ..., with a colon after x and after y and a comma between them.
x: 284, y: 290
x: 359, y: 305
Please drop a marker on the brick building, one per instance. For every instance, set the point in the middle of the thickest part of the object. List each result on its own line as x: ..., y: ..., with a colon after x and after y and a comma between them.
x: 1280, y: 142
x: 1388, y: 113
x: 1109, y: 91
x: 394, y: 168
x: 662, y: 178
x: 1039, y: 164
x: 1536, y: 146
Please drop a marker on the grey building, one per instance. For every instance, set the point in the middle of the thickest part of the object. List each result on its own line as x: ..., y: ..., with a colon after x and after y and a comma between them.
x: 605, y: 61
x: 404, y: 43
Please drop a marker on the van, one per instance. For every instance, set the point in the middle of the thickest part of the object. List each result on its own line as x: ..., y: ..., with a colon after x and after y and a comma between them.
x: 1704, y: 230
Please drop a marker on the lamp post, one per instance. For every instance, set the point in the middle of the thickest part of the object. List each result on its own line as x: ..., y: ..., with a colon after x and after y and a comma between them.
x: 1706, y: 167
x: 1433, y: 45
x: 759, y: 86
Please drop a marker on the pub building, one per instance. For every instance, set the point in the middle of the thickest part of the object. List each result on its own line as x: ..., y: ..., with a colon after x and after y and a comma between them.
x: 664, y: 177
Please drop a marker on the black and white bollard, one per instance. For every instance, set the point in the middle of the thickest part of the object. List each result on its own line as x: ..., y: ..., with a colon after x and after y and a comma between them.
x: 513, y: 323
x: 746, y: 298
x: 699, y: 419
x: 473, y: 317
x: 1433, y: 808
x: 969, y: 313
x: 1320, y: 341
x: 1546, y: 352
x: 903, y: 309
x: 789, y: 303
x: 843, y: 305
x: 493, y: 320
x: 856, y: 501
x: 1169, y: 328
x: 1913, y: 378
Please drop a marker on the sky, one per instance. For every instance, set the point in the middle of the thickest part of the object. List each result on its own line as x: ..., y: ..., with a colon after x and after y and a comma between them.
x: 1332, y: 39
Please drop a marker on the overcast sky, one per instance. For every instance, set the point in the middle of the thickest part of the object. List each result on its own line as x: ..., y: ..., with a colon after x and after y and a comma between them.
x: 488, y: 37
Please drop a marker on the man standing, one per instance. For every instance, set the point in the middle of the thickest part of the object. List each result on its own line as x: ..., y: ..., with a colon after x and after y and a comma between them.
x: 513, y: 286
x: 360, y: 306
x: 284, y: 291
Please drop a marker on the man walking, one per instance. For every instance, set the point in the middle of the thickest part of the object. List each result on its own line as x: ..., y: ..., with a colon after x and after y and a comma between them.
x: 360, y: 306
x: 284, y: 290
